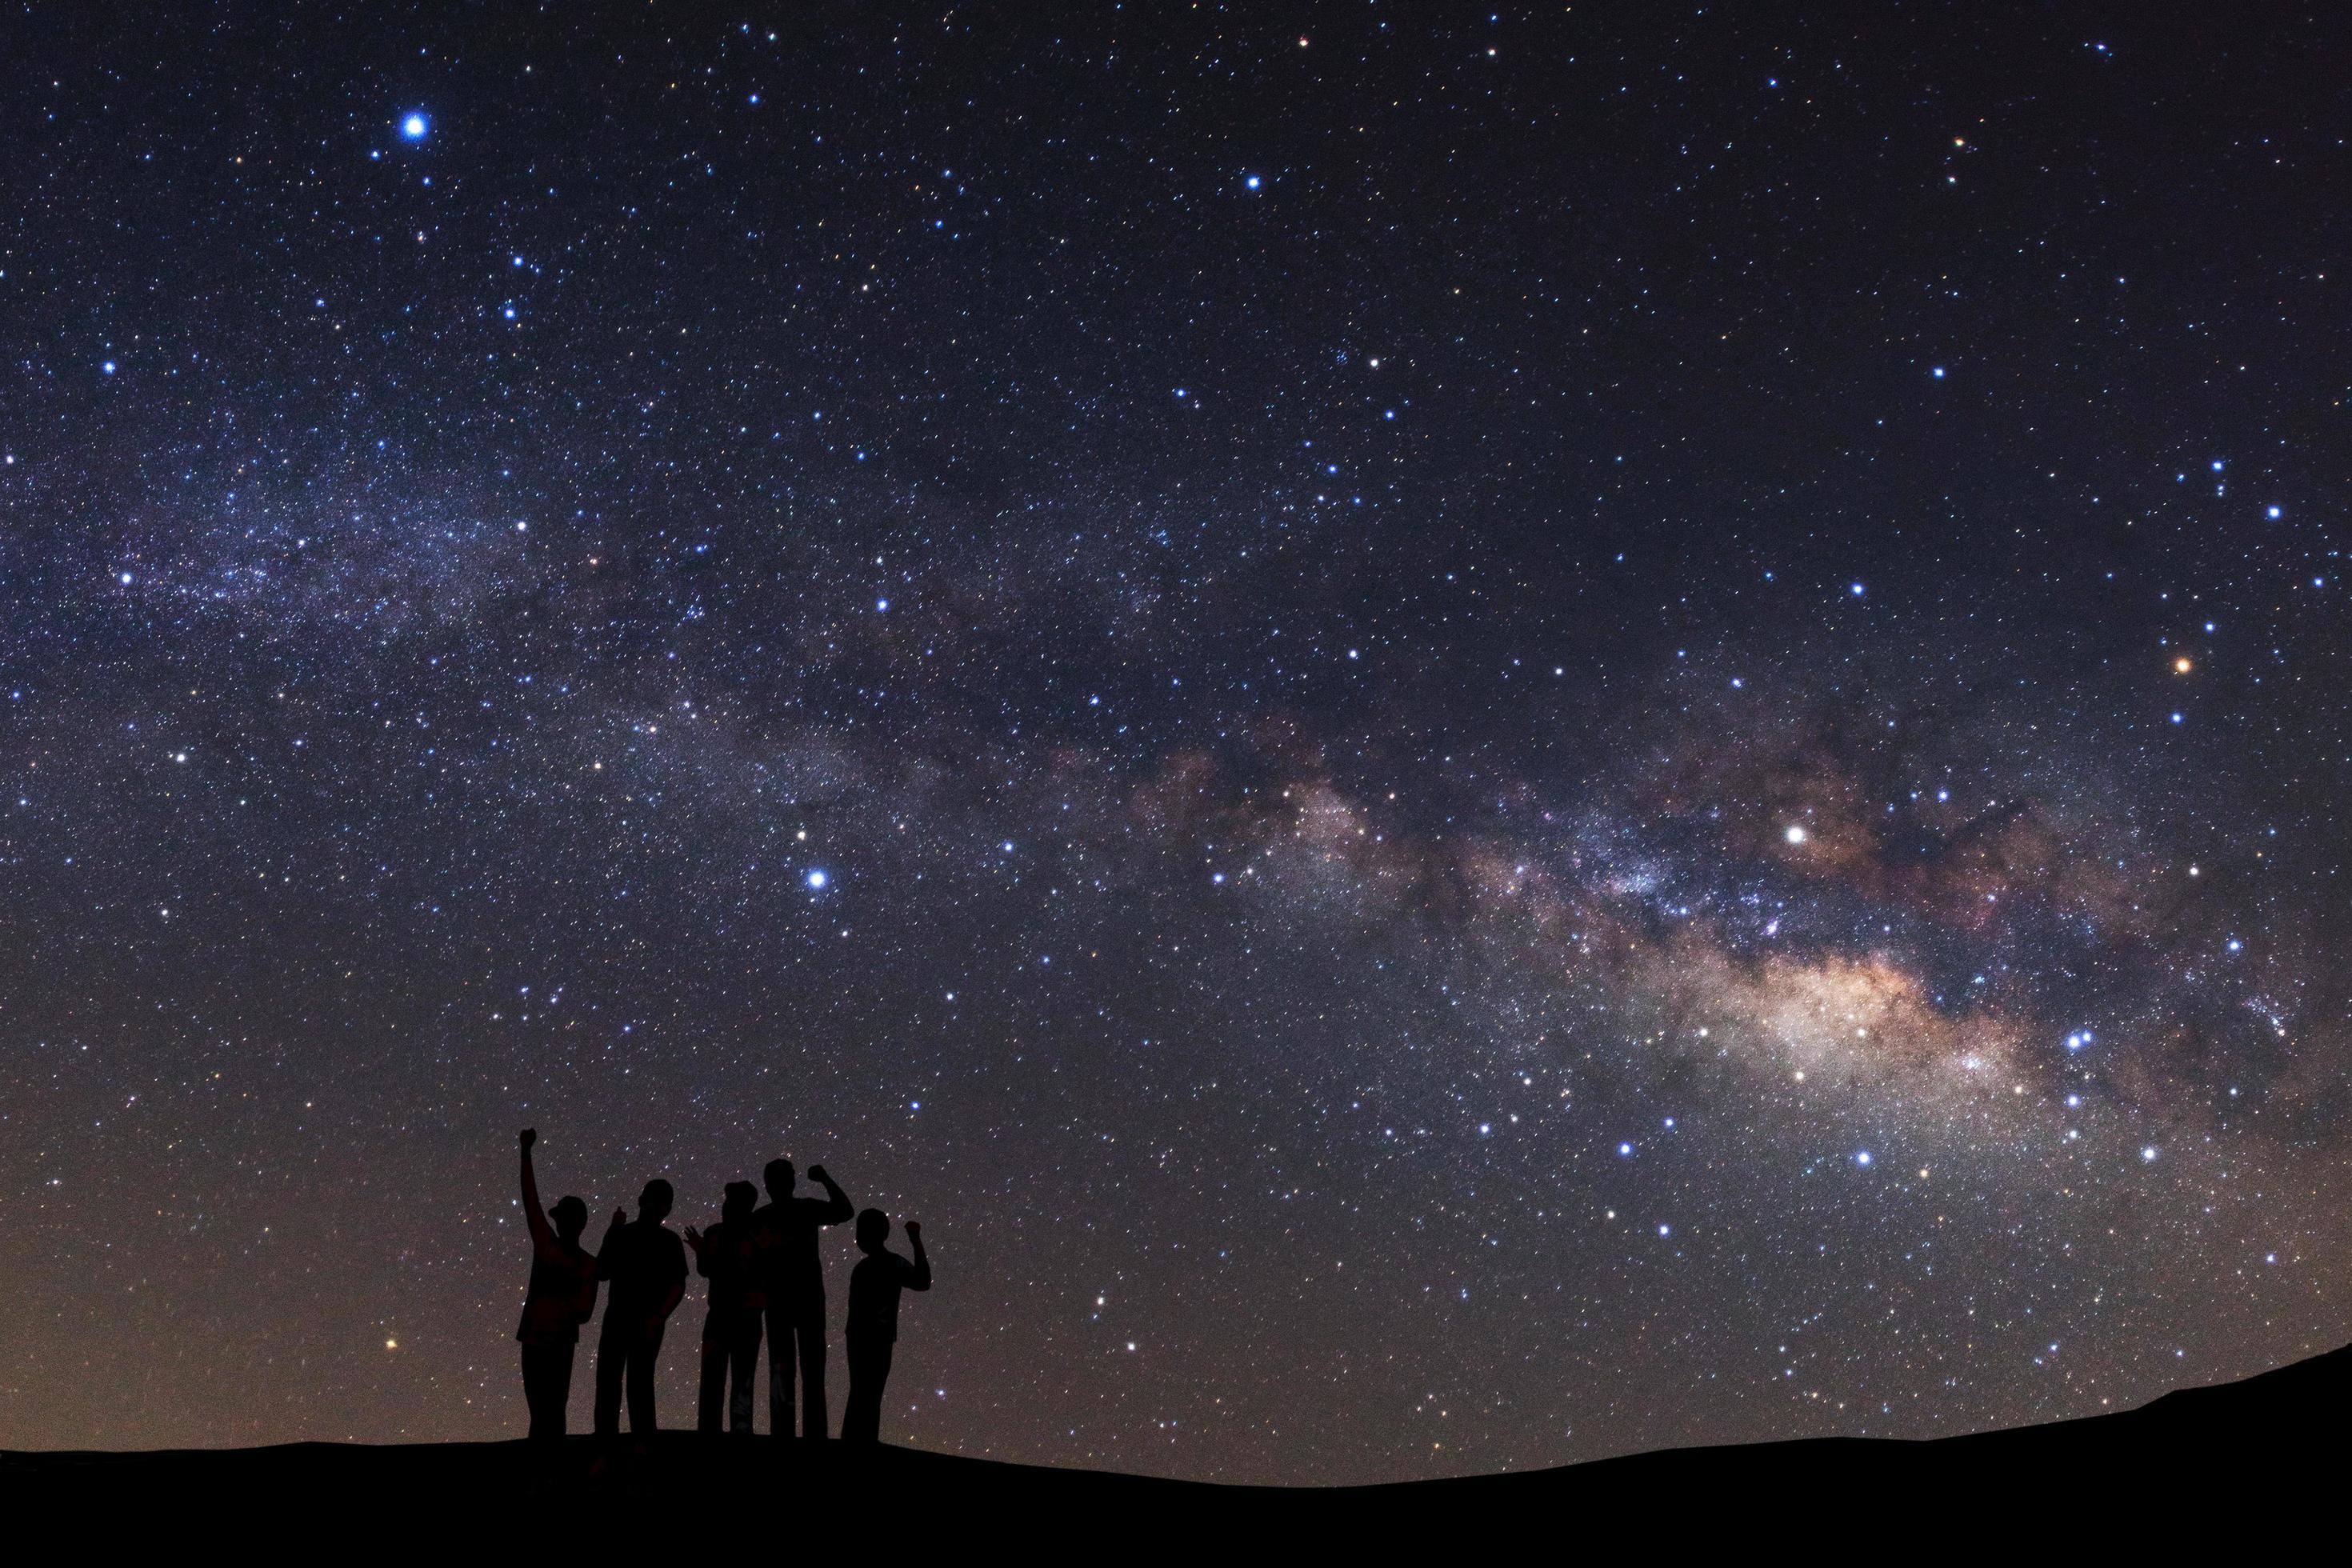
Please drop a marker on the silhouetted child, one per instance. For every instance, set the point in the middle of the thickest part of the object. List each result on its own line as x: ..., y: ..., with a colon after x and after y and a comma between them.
x: 873, y: 1330
x: 648, y: 1268
x: 730, y: 1325
x: 560, y: 1296
x: 787, y: 1270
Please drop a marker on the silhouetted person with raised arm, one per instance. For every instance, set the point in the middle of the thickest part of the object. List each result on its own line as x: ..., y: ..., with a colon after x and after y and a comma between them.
x: 560, y: 1296
x: 792, y: 1278
x: 873, y: 1330
x: 731, y: 1324
x: 646, y: 1267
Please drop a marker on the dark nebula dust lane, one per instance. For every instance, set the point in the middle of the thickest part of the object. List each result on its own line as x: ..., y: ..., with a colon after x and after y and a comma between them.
x: 1469, y: 738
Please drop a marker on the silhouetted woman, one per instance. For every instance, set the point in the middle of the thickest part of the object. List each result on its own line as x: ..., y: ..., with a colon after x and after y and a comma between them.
x: 730, y: 1325
x: 561, y: 1296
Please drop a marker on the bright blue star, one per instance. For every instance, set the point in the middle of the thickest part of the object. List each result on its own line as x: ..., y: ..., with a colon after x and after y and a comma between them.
x: 414, y: 127
x: 816, y: 880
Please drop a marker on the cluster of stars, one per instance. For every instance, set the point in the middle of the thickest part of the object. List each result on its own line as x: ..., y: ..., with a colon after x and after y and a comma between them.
x: 1336, y: 707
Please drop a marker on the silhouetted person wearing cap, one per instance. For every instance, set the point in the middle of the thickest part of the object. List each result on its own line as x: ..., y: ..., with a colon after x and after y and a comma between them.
x: 646, y: 1267
x: 560, y: 1296
x: 731, y: 1324
x: 873, y: 1330
x: 792, y: 1278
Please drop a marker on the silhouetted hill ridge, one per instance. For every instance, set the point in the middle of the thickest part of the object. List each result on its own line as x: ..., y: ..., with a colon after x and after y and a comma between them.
x: 2181, y: 1455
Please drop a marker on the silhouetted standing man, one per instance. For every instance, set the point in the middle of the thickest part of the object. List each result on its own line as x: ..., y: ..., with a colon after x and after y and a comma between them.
x: 793, y: 1281
x: 731, y: 1324
x: 561, y: 1294
x: 873, y: 1330
x: 647, y: 1268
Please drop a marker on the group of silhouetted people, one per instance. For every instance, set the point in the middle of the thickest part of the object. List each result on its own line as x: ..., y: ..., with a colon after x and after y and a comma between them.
x: 766, y: 1277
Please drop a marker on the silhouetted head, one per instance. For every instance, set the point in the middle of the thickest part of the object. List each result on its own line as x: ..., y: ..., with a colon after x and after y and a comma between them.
x: 872, y: 1230
x: 743, y: 1197
x: 653, y: 1203
x: 570, y: 1217
x: 779, y: 1175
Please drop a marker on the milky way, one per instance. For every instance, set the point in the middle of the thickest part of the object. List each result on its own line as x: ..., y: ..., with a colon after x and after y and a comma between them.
x: 1469, y: 738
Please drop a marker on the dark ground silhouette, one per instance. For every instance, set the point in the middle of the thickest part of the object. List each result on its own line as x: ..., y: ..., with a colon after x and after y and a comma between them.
x: 2239, y: 1464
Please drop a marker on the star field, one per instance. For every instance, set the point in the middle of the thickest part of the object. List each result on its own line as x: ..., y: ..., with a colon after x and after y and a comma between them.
x: 1467, y: 738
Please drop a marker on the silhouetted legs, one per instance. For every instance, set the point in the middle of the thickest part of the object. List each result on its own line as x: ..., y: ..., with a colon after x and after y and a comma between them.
x: 625, y: 1354
x: 743, y: 1377
x: 712, y: 1393
x: 731, y: 1359
x: 869, y: 1368
x: 802, y: 1325
x: 547, y: 1385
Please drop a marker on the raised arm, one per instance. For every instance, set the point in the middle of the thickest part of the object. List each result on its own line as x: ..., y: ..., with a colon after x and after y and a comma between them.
x: 920, y: 1277
x: 837, y: 1206
x: 542, y: 1239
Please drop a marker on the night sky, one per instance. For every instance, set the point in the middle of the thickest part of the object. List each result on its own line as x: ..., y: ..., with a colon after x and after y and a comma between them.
x: 1467, y: 738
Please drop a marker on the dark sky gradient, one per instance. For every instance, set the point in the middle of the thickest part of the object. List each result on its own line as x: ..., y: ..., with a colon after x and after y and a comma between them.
x: 1492, y: 704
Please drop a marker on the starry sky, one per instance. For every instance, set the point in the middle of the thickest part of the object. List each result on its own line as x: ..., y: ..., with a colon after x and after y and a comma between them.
x: 1469, y: 737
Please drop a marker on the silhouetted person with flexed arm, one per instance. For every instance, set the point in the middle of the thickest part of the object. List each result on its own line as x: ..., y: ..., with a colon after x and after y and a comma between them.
x: 731, y: 1324
x: 646, y: 1267
x: 873, y: 1330
x: 560, y: 1296
x: 792, y: 1278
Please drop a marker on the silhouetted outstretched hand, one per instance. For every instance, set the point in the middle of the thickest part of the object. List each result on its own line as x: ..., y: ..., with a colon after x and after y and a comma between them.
x: 694, y: 1239
x: 817, y: 1174
x: 529, y: 1137
x: 620, y: 1218
x: 915, y: 1228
